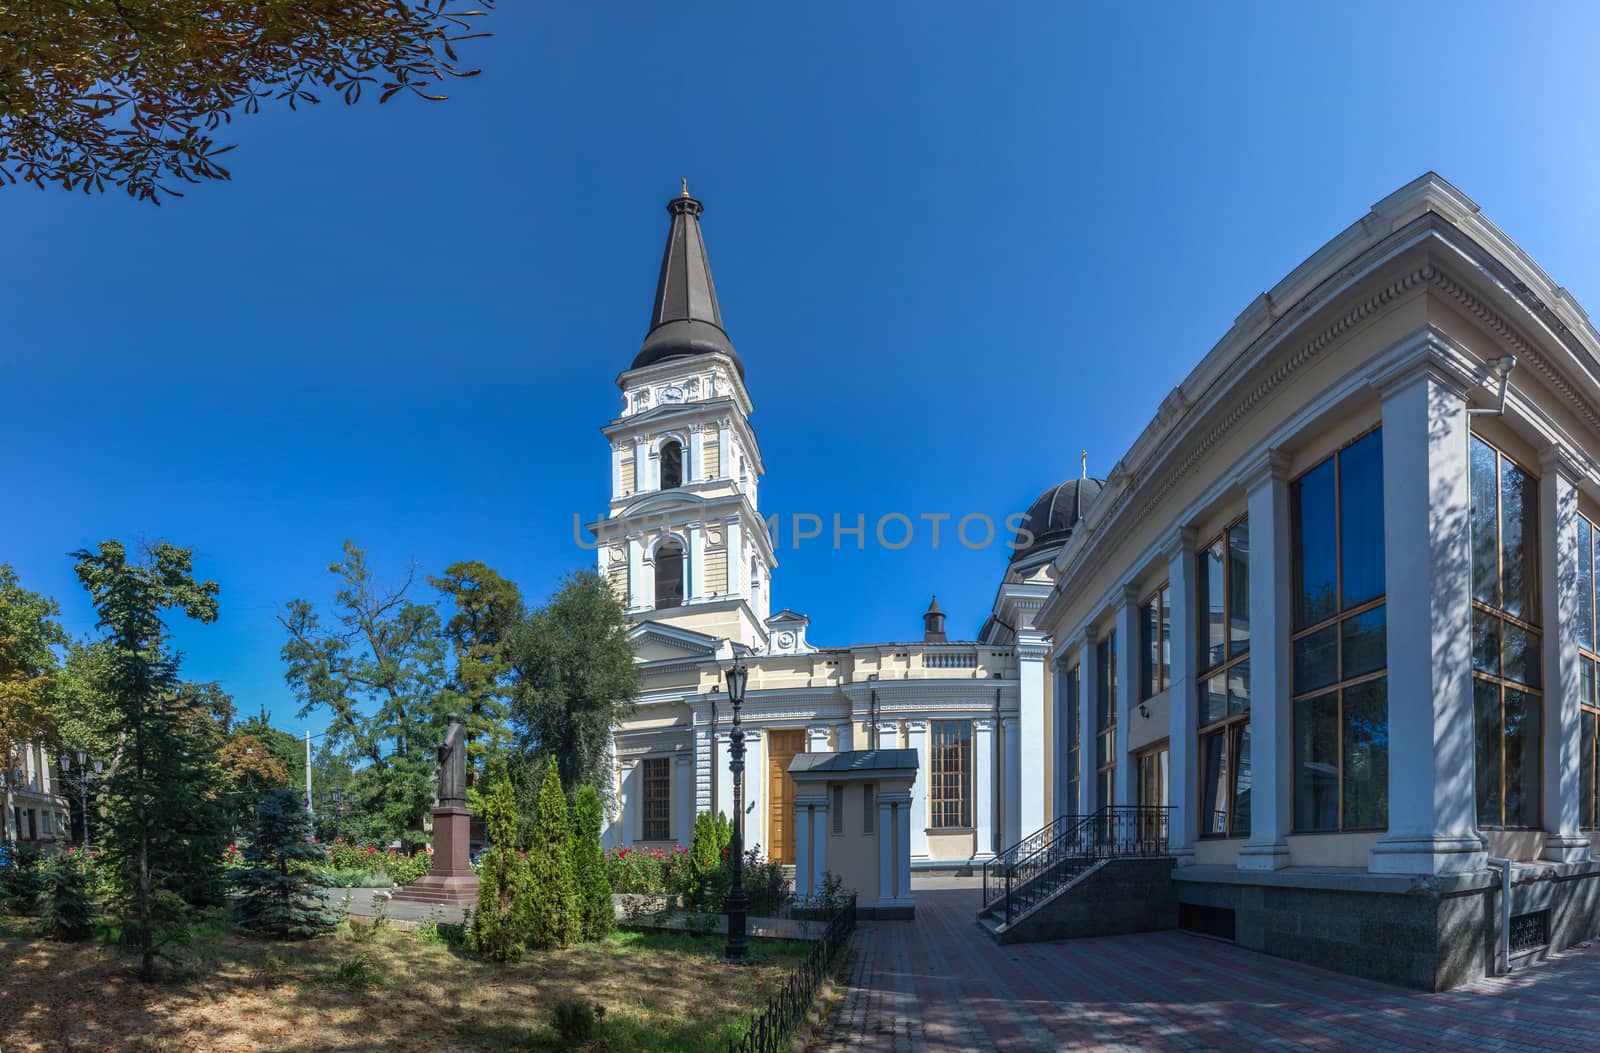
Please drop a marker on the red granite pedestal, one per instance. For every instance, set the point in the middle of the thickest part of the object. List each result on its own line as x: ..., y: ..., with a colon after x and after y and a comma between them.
x: 451, y: 882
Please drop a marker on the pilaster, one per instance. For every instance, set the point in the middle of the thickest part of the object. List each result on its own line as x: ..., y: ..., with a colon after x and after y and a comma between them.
x: 1011, y: 781
x: 1558, y: 544
x: 1266, y: 484
x: 1181, y: 771
x: 1031, y: 649
x: 917, y: 739
x: 983, y: 789
x: 1125, y: 777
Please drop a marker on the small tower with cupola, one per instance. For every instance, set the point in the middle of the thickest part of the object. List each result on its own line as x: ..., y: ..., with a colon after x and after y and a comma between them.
x: 683, y: 541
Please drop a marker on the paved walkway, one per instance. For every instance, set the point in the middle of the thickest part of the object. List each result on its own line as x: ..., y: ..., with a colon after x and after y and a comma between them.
x: 941, y: 984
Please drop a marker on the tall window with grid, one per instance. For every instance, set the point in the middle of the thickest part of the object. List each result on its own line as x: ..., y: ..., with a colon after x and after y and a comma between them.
x: 1588, y: 677
x: 1340, y: 685
x: 1506, y: 688
x: 657, y: 799
x: 1105, y: 702
x: 1155, y: 644
x: 950, y: 799
x: 1223, y: 617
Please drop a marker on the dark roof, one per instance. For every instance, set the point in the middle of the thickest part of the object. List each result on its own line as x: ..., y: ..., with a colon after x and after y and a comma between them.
x: 685, y: 320
x: 1054, y: 514
x: 858, y: 760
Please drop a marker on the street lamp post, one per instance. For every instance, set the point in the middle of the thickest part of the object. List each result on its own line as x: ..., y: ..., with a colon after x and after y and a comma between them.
x: 83, y: 777
x: 738, y: 949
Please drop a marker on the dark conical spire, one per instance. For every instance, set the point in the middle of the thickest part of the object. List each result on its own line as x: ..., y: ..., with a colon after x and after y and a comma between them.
x: 933, y: 623
x: 685, y: 319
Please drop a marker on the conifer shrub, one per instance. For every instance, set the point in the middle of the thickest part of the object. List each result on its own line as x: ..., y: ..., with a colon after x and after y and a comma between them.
x: 597, y: 916
x: 66, y: 911
x: 21, y: 880
x: 282, y: 894
x: 554, y: 913
x: 502, y: 922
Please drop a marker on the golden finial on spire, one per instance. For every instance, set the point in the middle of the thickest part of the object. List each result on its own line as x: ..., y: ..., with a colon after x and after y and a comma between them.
x: 685, y: 187
x: 1083, y: 463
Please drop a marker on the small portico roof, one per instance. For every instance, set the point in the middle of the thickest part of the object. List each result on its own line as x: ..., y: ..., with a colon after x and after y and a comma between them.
x: 859, y: 763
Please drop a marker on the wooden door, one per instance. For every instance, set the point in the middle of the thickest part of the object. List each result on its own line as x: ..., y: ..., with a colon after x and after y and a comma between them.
x: 781, y: 749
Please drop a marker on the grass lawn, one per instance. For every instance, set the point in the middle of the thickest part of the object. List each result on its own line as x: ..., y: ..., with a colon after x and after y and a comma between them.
x: 376, y: 992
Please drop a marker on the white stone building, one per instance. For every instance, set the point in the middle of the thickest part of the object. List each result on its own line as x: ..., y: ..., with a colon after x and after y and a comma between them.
x: 34, y: 810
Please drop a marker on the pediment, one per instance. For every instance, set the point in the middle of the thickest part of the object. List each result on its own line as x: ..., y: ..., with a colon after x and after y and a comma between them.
x: 654, y: 642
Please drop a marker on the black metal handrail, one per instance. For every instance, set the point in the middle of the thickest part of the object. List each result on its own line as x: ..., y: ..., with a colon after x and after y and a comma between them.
x: 774, y: 1028
x: 1038, y: 865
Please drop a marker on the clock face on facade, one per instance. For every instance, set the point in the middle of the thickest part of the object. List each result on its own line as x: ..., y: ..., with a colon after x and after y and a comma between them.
x: 786, y: 640
x: 672, y: 394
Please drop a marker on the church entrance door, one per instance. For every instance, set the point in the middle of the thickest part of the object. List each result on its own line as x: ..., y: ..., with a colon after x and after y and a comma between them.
x: 781, y: 749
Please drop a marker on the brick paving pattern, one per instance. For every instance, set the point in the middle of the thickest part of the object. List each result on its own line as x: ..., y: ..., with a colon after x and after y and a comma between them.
x: 940, y: 984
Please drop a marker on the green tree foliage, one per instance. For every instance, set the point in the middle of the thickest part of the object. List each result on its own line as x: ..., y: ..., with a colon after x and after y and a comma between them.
x: 280, y: 898
x: 597, y: 917
x: 554, y: 916
x: 381, y: 676
x: 166, y: 829
x: 487, y: 610
x: 576, y: 677
x: 130, y: 92
x: 503, y: 920
x: 712, y: 836
x: 66, y: 912
x: 29, y: 665
x: 21, y: 880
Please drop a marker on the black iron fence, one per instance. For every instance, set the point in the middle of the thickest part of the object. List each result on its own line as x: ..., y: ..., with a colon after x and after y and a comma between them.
x: 775, y: 1026
x: 1044, y: 861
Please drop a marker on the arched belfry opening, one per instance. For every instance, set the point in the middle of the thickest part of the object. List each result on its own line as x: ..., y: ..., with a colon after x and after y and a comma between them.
x: 669, y: 574
x: 671, y: 464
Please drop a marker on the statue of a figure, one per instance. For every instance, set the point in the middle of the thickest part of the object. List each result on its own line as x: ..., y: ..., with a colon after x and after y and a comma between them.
x: 453, y: 766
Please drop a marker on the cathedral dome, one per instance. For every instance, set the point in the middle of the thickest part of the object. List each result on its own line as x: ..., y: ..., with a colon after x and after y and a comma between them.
x: 685, y: 319
x: 1054, y: 514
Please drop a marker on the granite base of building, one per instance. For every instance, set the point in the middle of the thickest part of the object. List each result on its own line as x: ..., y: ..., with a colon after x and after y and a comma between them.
x: 1419, y: 932
x: 1113, y: 898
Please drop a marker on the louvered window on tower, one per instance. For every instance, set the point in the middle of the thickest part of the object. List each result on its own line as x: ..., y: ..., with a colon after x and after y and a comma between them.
x: 669, y: 575
x: 671, y: 465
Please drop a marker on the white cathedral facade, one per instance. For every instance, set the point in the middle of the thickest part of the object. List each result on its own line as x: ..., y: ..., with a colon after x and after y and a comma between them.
x: 685, y: 542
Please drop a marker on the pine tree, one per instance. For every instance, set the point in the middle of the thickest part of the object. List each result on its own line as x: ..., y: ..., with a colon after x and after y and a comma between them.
x: 281, y: 899
x: 554, y: 913
x: 166, y: 831
x: 598, y: 916
x: 501, y: 924
x: 66, y: 911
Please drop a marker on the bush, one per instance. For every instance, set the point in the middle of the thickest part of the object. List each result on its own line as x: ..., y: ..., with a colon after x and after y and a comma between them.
x: 766, y: 885
x: 554, y: 910
x: 501, y: 924
x: 596, y: 915
x: 21, y: 881
x: 67, y: 912
x: 574, y: 1019
x: 281, y: 899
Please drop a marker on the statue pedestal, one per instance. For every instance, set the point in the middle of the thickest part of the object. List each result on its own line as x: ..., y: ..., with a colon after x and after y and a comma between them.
x: 451, y: 882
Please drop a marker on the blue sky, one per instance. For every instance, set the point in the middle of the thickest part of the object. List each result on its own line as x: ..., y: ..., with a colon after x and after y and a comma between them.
x: 954, y: 244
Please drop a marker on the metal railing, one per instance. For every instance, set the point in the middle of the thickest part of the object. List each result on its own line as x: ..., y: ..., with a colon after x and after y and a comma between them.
x: 774, y: 1028
x: 1035, y: 867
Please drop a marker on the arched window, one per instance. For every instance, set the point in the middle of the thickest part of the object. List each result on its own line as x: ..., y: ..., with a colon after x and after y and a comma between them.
x: 671, y: 464
x: 669, y: 575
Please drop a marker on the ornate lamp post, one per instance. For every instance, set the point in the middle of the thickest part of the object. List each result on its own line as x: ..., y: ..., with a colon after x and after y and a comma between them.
x: 83, y: 778
x: 738, y: 903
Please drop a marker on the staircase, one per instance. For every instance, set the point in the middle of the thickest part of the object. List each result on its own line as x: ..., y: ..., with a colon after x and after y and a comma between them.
x: 1110, y: 865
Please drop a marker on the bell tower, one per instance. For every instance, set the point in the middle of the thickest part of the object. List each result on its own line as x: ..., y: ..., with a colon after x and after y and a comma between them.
x: 683, y: 541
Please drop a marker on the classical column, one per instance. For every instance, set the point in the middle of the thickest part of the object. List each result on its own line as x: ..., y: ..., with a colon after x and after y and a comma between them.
x: 1011, y: 783
x: 696, y: 585
x: 735, y: 535
x: 697, y: 456
x: 1558, y: 546
x: 902, y: 858
x: 983, y: 789
x: 1125, y: 778
x: 821, y: 827
x: 723, y: 799
x: 683, y: 797
x: 1182, y: 774
x: 1266, y: 485
x: 641, y: 466
x: 886, y: 854
x: 817, y: 740
x: 1088, y: 735
x: 637, y: 596
x: 617, y: 450
x: 803, y: 888
x: 755, y: 790
x: 628, y: 819
x: 1426, y: 506
x: 888, y: 735
x: 705, y: 768
x: 845, y: 735
x: 1032, y: 648
x: 917, y: 739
